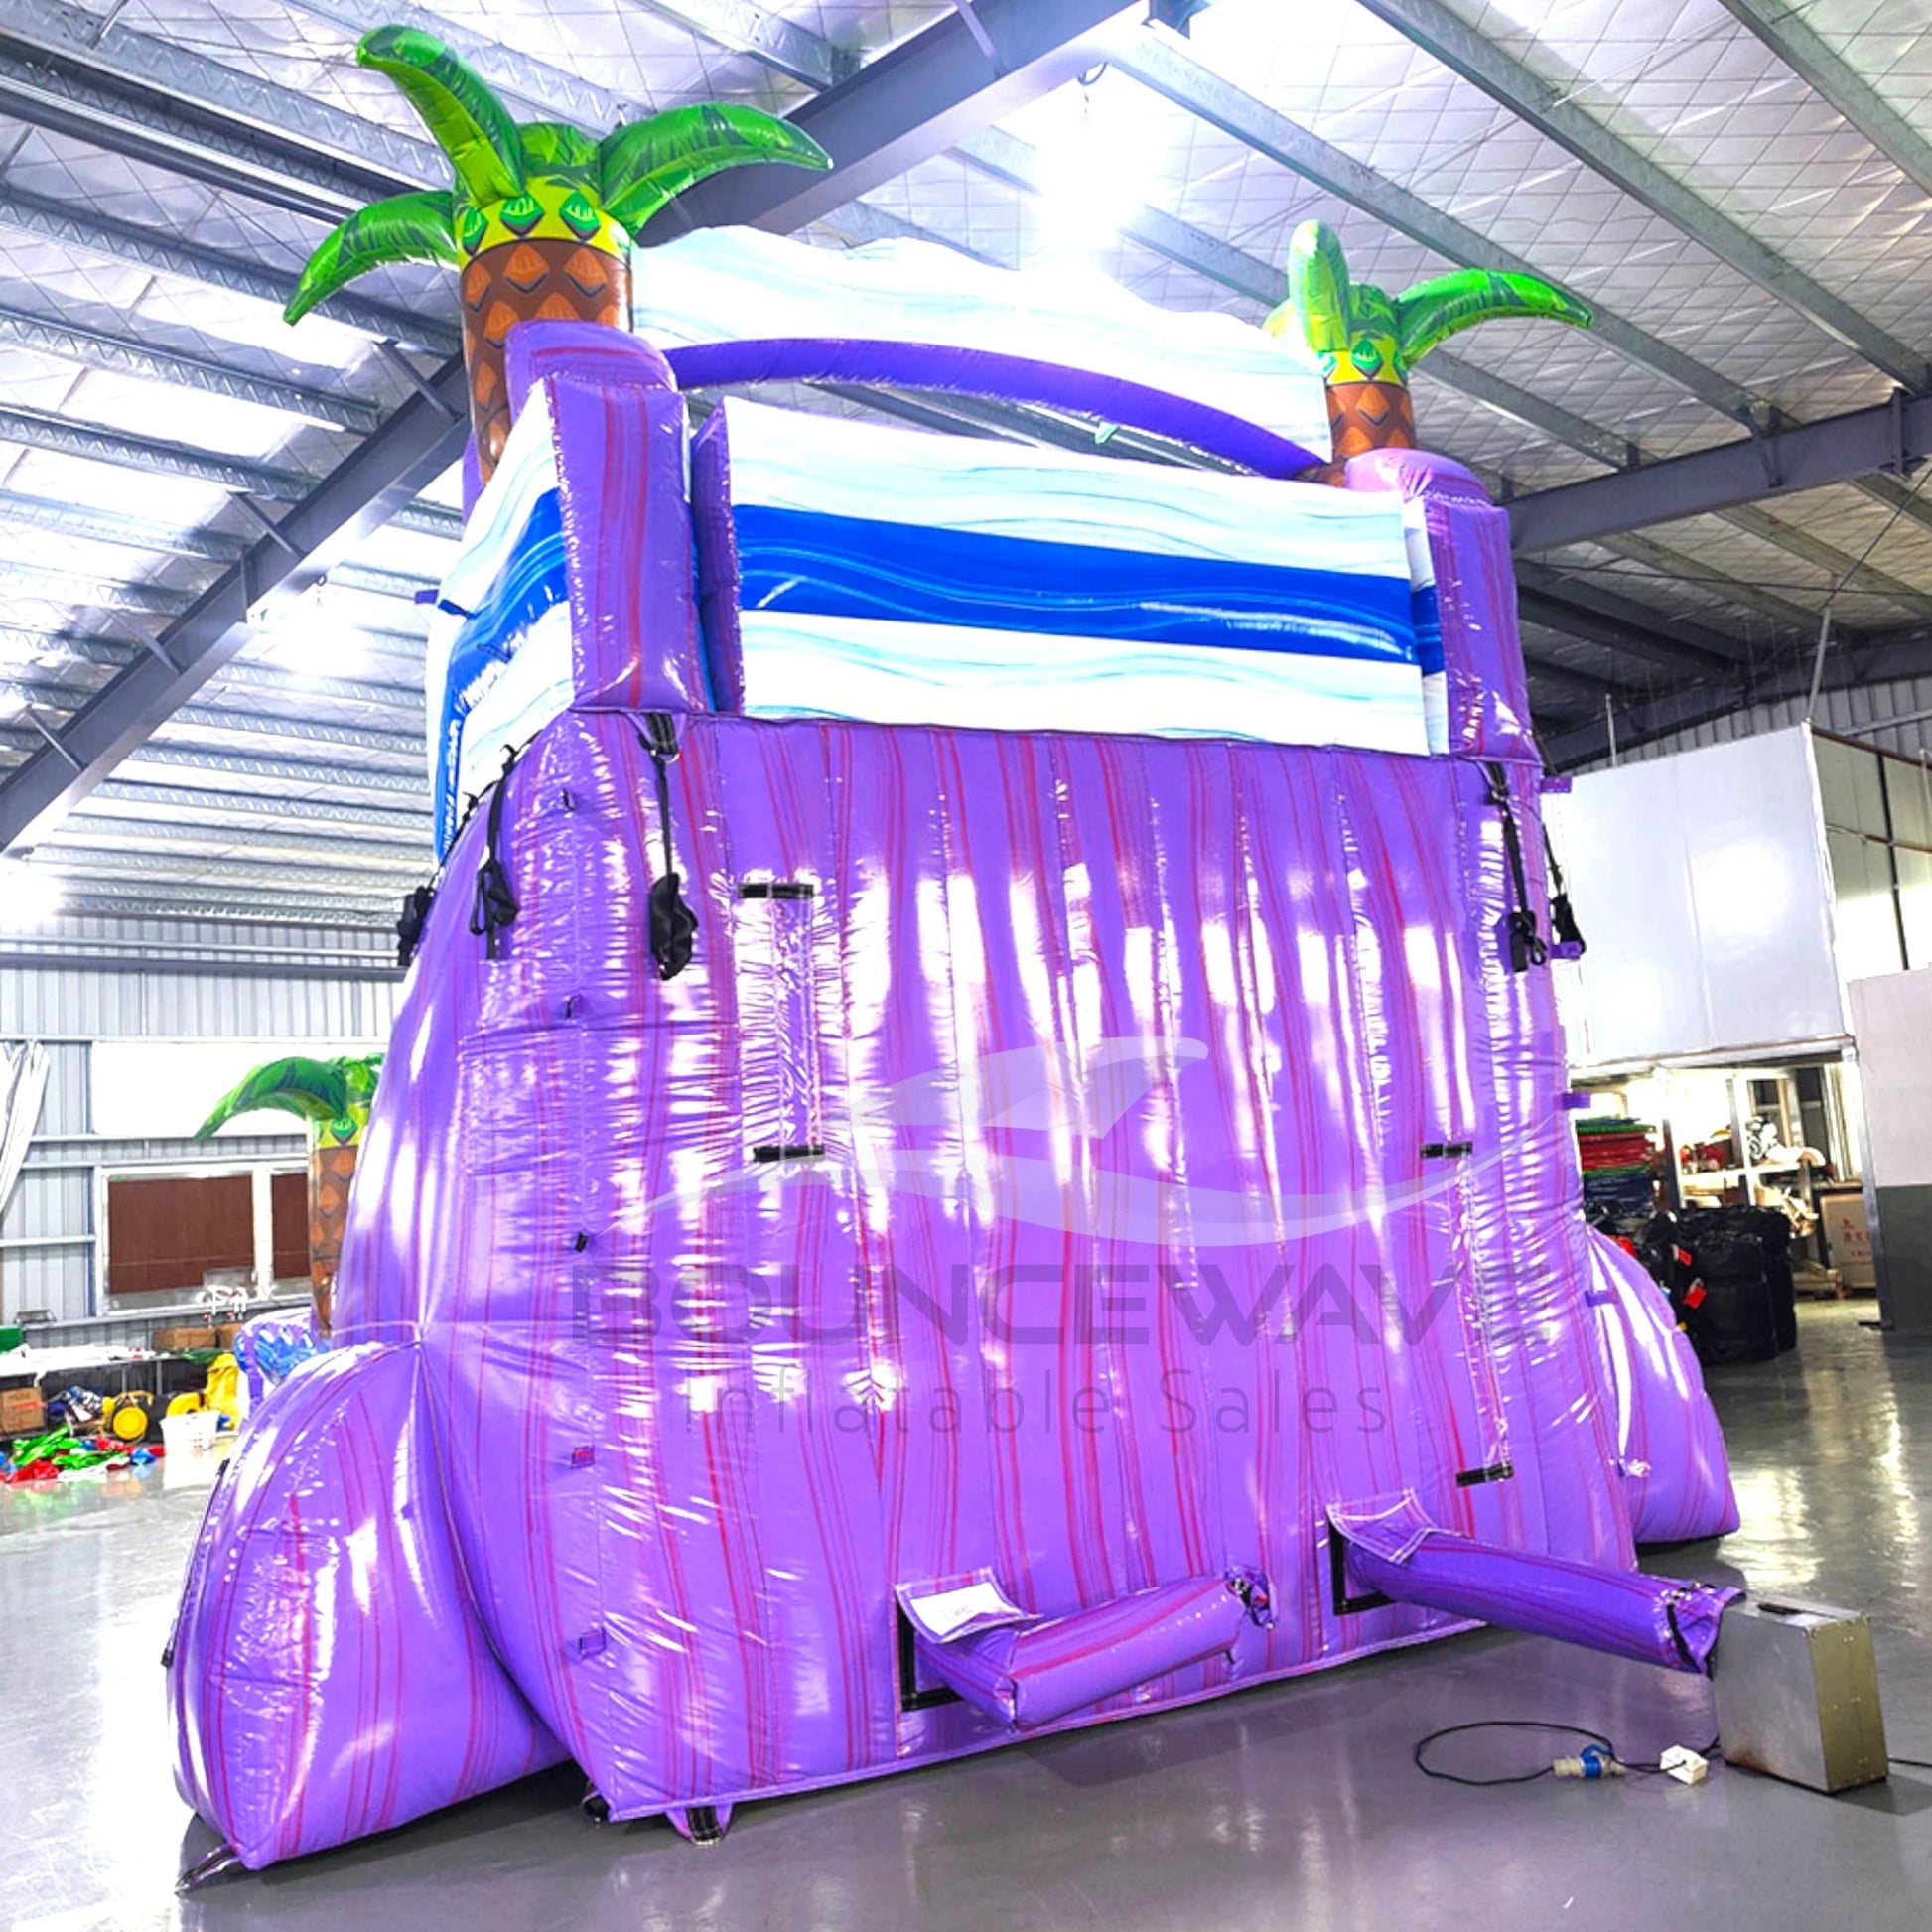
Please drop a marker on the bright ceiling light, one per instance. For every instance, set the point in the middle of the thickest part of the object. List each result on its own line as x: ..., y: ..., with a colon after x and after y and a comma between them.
x: 29, y: 894
x: 308, y: 637
x: 1092, y: 172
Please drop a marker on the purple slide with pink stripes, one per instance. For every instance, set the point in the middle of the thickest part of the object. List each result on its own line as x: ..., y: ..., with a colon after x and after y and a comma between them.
x: 878, y: 1239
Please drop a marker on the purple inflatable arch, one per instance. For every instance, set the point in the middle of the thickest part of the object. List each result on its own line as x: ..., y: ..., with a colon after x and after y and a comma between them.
x: 1093, y: 1225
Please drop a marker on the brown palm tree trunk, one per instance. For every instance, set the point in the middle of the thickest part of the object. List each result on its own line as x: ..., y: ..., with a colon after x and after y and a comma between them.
x: 523, y: 281
x: 1364, y: 416
x: 330, y: 1170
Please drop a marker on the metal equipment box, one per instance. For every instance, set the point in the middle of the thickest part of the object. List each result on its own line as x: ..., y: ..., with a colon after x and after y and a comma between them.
x: 1797, y: 1689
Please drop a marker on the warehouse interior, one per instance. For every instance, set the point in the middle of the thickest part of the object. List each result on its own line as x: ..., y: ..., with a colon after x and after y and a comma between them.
x: 232, y: 556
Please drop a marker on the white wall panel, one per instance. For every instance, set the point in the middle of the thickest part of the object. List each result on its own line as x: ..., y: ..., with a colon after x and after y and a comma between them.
x: 1703, y: 887
x: 1894, y: 1016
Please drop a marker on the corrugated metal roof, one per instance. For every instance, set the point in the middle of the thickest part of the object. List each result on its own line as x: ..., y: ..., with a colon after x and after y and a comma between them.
x: 148, y: 386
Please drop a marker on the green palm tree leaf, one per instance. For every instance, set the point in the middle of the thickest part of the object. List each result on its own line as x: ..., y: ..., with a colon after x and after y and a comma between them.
x: 1319, y: 308
x: 645, y: 164
x: 464, y: 117
x: 557, y: 148
x: 315, y: 1090
x: 417, y: 227
x: 1432, y: 312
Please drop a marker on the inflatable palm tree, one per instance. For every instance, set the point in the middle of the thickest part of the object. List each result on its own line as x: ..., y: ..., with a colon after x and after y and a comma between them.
x: 1368, y: 342
x: 541, y: 216
x: 334, y: 1097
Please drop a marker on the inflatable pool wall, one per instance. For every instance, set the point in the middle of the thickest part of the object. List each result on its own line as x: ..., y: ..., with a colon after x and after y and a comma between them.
x: 1084, y: 1221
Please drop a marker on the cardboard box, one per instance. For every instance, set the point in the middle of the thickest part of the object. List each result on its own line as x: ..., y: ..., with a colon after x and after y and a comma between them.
x: 173, y: 1342
x: 1847, y: 1236
x: 226, y: 1332
x: 22, y: 1412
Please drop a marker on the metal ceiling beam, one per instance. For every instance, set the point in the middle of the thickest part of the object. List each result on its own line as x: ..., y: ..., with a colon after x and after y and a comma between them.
x: 1786, y: 30
x: 1676, y: 564
x: 180, y: 76
x: 57, y: 698
x: 1600, y: 617
x: 1506, y: 398
x: 1554, y: 112
x: 114, y: 898
x: 1585, y: 685
x: 1157, y: 62
x: 21, y: 645
x: 93, y: 349
x: 189, y: 868
x: 105, y: 593
x: 1750, y: 470
x: 1844, y: 568
x: 139, y: 798
x: 925, y: 95
x: 400, y: 585
x: 321, y: 848
x: 777, y: 42
x: 65, y: 436
x: 1004, y: 158
x: 858, y: 222
x: 407, y: 698
x: 781, y: 44
x: 138, y: 247
x: 404, y: 747
x: 23, y: 512
x: 323, y: 777
x: 557, y: 93
x: 1886, y: 489
x: 415, y: 446
x: 84, y: 100
x: 1876, y: 661
x: 40, y: 429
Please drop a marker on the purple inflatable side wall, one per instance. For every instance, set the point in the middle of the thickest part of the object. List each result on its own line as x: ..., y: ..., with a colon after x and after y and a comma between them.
x: 1127, y: 1255
x: 1668, y: 1442
x: 326, y: 1677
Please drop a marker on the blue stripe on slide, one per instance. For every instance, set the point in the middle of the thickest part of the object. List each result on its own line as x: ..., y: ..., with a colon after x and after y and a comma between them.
x: 854, y: 567
x: 1429, y: 627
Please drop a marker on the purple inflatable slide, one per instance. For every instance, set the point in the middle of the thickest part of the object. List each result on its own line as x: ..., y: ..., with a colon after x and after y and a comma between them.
x: 1084, y: 1221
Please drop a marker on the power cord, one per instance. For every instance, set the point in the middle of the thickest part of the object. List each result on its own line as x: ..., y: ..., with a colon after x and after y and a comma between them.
x: 1598, y: 1756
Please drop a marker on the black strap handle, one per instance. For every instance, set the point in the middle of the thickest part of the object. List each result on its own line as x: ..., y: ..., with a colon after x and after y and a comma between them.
x: 494, y: 907
x: 1562, y: 921
x: 411, y: 922
x: 1526, y: 947
x: 672, y: 922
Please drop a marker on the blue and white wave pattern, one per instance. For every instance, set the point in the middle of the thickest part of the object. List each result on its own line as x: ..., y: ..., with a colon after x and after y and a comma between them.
x: 904, y: 577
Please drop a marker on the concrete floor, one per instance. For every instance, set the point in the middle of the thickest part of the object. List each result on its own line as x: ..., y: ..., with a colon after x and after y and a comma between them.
x: 1290, y: 1804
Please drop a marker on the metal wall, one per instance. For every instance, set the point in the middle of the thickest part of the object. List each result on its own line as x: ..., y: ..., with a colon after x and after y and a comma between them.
x: 76, y: 981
